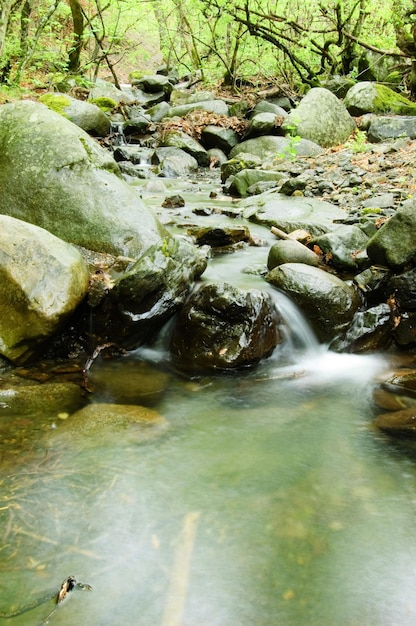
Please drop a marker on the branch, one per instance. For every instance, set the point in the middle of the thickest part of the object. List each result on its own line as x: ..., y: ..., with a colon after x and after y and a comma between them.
x: 391, y: 53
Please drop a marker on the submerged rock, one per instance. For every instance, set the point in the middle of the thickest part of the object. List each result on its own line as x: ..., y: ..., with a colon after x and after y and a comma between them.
x: 291, y: 213
x: 42, y: 281
x: 222, y: 327
x: 97, y: 424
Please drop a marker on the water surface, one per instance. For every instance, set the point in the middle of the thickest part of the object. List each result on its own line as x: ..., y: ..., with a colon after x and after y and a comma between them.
x: 269, y: 500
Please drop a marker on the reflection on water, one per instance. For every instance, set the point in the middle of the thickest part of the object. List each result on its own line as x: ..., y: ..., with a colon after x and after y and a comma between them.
x: 269, y: 500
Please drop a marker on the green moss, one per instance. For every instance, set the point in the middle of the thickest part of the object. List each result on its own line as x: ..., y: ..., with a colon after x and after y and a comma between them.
x: 104, y: 103
x: 389, y: 101
x: 136, y: 75
x: 56, y: 103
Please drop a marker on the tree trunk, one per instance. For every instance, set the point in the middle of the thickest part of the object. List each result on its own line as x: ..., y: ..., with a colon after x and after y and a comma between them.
x: 78, y: 22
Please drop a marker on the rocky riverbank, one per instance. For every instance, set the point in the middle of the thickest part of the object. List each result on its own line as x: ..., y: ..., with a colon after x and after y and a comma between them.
x: 340, y: 205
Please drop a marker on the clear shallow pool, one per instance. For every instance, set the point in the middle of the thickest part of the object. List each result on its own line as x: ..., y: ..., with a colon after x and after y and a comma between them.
x: 270, y: 500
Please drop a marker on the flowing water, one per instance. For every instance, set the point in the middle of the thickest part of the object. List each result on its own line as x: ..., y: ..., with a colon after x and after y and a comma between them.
x: 268, y: 500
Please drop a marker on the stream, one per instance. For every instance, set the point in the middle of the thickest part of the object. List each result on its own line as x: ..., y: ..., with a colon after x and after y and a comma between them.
x: 268, y: 499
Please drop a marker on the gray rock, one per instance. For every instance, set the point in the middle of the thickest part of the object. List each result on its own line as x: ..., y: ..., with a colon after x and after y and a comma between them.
x: 384, y: 128
x: 270, y: 147
x: 327, y: 302
x: 138, y: 122
x: 186, y: 96
x: 291, y: 212
x: 42, y: 281
x: 148, y: 294
x: 222, y: 327
x: 262, y: 124
x: 242, y: 162
x: 394, y: 244
x: 370, y: 331
x: 103, y: 89
x: 264, y: 106
x: 212, y: 106
x: 174, y: 163
x: 242, y: 181
x: 182, y: 141
x: 218, y: 137
x: 54, y: 175
x: 345, y: 246
x: 290, y: 251
x: 320, y: 117
x: 159, y: 111
x: 154, y: 83
x: 87, y: 116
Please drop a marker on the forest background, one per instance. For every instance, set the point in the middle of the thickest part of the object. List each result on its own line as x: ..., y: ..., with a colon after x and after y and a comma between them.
x: 300, y: 43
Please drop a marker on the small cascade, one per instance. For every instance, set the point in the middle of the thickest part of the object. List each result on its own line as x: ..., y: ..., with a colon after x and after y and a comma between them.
x: 117, y: 134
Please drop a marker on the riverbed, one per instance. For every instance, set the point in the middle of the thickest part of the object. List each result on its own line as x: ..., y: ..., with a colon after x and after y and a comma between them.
x: 269, y: 499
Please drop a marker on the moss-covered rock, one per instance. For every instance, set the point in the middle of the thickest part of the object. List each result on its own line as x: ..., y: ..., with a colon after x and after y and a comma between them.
x: 369, y: 97
x: 42, y: 281
x: 87, y: 116
x: 104, y: 103
x: 56, y: 176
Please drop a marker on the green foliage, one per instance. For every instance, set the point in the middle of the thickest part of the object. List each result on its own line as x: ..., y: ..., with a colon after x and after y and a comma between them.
x: 358, y: 143
x: 297, y: 42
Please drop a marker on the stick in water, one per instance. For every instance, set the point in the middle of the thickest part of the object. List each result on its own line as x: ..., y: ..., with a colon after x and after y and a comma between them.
x: 179, y: 582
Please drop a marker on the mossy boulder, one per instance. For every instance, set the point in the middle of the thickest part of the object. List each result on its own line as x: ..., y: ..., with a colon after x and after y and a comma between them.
x: 54, y: 175
x: 86, y: 115
x: 369, y: 97
x: 42, y: 281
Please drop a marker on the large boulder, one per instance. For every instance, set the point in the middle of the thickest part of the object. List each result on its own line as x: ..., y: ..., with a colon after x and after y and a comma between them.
x: 42, y: 281
x: 327, y: 302
x: 369, y: 97
x: 320, y: 117
x: 222, y: 327
x: 56, y: 176
x: 394, y: 244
